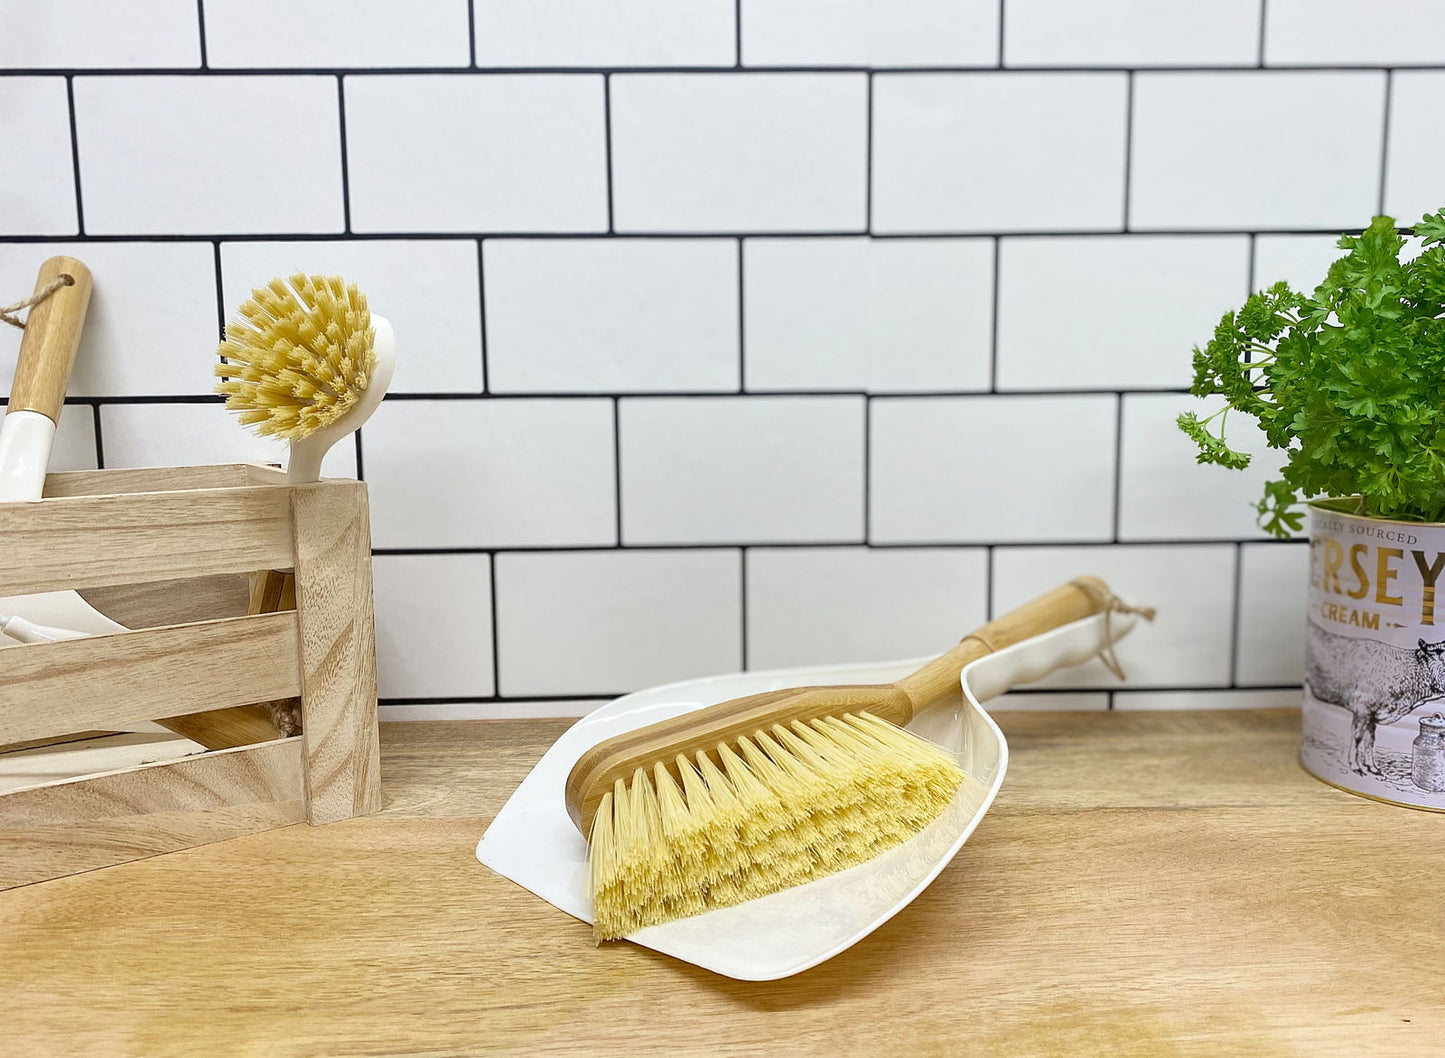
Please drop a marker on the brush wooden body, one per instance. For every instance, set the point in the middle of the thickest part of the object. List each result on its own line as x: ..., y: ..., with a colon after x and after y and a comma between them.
x: 52, y: 336
x: 597, y: 771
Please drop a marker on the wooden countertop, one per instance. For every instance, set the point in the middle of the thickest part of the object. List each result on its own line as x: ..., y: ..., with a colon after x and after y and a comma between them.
x: 1147, y: 883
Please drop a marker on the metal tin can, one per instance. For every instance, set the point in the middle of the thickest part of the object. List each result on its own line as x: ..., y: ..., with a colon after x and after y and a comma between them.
x: 1375, y: 657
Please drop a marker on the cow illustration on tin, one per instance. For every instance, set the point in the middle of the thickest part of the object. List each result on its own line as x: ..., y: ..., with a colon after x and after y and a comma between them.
x: 1379, y: 683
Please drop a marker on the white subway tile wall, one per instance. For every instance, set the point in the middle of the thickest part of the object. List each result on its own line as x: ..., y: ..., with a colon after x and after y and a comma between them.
x: 732, y: 334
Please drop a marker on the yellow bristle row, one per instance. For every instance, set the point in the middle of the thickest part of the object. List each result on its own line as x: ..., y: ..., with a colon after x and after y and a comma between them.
x: 764, y: 813
x: 298, y: 355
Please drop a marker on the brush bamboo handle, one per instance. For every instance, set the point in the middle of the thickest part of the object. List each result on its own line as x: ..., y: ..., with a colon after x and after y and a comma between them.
x: 938, y: 680
x: 52, y: 335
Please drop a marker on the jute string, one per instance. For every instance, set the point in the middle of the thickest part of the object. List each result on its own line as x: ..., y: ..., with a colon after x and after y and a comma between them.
x: 1106, y: 654
x: 8, y: 312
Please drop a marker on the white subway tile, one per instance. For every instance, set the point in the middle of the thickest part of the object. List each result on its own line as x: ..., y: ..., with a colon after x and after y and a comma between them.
x: 1057, y: 702
x: 609, y: 621
x: 494, y: 152
x: 198, y: 155
x: 433, y: 625
x: 1192, y: 587
x: 174, y: 435
x: 38, y: 180
x: 1273, y: 588
x: 638, y: 315
x: 332, y: 33
x: 819, y: 606
x: 74, y: 447
x: 1350, y: 33
x: 491, y: 473
x: 1107, y: 312
x: 864, y: 33
x: 1416, y: 156
x: 1216, y: 150
x: 879, y: 315
x: 83, y: 34
x: 151, y: 327
x: 605, y: 33
x: 1164, y: 493
x: 711, y: 470
x: 739, y: 152
x: 983, y: 469
x: 1300, y: 260
x: 1153, y: 701
x: 1131, y: 33
x: 428, y: 290
x: 998, y: 151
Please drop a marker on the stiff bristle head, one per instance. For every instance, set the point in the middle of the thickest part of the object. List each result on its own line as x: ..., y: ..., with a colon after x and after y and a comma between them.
x: 767, y: 812
x: 298, y: 355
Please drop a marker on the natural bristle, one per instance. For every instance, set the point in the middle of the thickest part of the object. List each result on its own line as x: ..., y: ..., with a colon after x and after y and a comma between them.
x: 298, y: 356
x: 767, y: 812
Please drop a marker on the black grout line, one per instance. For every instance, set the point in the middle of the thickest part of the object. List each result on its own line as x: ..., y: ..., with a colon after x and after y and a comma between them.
x: 1263, y: 22
x: 75, y: 155
x: 496, y: 634
x: 742, y: 323
x: 201, y: 31
x: 868, y: 162
x: 825, y: 545
x: 1128, y: 144
x: 993, y: 322
x: 737, y: 34
x: 472, y: 34
x: 1249, y: 276
x: 617, y: 466
x: 482, y: 307
x: 607, y: 132
x: 99, y: 439
x: 724, y: 394
x: 1236, y: 612
x: 442, y: 236
x: 1002, y: 8
x: 988, y: 582
x: 1385, y: 140
x: 781, y: 68
x: 1118, y: 465
x: 360, y: 466
x: 1109, y: 706
x: 743, y: 604
x: 867, y: 468
x: 220, y: 291
x: 345, y: 174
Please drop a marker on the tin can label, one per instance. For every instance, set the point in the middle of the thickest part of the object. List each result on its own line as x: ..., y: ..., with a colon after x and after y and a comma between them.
x: 1374, y: 655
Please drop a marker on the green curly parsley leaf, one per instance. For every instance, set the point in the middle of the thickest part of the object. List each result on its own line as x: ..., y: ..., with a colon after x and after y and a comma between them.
x: 1347, y: 382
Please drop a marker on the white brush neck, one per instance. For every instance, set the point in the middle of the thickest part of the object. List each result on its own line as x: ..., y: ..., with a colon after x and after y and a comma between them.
x: 307, y: 454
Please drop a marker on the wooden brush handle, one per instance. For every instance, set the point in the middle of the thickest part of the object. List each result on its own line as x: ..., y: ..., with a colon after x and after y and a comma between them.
x: 52, y: 335
x: 938, y: 680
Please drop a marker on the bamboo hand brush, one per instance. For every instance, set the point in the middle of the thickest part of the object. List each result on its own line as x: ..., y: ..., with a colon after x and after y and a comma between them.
x: 755, y: 795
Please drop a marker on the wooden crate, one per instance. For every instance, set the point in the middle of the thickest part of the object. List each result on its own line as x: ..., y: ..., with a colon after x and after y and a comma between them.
x: 125, y: 527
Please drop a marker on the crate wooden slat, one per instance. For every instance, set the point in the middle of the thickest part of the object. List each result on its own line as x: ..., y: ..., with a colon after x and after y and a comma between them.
x: 64, y: 828
x: 155, y: 479
x: 179, y: 533
x: 87, y: 542
x: 106, y: 681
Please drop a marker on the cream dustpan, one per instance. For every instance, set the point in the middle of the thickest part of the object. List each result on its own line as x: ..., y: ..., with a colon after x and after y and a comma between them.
x: 533, y: 842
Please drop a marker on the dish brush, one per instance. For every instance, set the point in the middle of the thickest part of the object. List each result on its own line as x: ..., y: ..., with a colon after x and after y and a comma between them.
x: 762, y: 793
x: 305, y: 361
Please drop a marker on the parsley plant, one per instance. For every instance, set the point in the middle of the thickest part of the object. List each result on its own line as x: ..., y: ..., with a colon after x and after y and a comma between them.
x: 1349, y: 381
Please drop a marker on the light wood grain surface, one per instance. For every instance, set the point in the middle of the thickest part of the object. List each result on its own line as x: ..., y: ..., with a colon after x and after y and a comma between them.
x: 1147, y: 884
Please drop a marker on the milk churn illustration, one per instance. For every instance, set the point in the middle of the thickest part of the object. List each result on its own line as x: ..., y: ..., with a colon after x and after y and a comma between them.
x: 1427, y: 758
